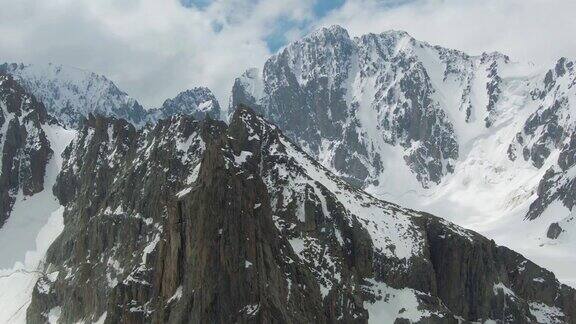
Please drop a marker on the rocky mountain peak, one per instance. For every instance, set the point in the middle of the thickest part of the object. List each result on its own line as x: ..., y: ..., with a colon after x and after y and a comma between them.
x: 248, y: 89
x: 328, y: 34
x: 70, y: 94
x: 320, y: 54
x: 198, y: 102
x: 417, y: 123
x: 393, y: 41
x: 331, y: 92
x: 494, y: 56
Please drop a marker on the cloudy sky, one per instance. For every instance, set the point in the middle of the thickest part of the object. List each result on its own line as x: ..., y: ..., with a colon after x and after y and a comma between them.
x: 155, y: 48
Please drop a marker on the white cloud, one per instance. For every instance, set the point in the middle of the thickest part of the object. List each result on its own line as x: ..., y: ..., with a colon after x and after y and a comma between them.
x: 540, y: 31
x: 152, y: 49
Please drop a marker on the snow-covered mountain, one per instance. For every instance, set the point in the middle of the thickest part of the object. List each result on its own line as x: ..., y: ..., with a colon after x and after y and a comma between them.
x: 189, y: 221
x: 164, y: 215
x: 482, y: 140
x: 549, y: 137
x: 70, y: 95
x: 354, y: 103
x: 197, y: 102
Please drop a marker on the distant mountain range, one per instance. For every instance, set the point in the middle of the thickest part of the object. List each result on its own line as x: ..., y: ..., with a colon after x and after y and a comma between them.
x: 70, y: 94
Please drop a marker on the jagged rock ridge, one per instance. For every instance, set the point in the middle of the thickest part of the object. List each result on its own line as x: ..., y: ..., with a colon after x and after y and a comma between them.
x: 23, y: 144
x: 551, y: 129
x: 191, y: 221
x: 196, y: 102
x: 70, y: 94
x: 352, y: 102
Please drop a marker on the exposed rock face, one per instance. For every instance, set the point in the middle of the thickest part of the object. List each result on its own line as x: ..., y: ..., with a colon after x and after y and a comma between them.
x: 353, y: 102
x: 23, y: 144
x: 198, y: 102
x: 384, y: 110
x: 493, y: 86
x: 554, y: 230
x: 70, y: 94
x: 551, y: 129
x: 135, y: 174
x: 195, y: 222
x: 247, y: 90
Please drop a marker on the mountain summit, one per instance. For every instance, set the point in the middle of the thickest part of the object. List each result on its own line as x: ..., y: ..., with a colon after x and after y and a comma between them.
x: 364, y: 104
x: 434, y: 129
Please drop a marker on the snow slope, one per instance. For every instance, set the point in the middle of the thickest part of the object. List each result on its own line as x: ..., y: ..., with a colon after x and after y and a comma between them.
x: 33, y: 225
x: 502, y: 194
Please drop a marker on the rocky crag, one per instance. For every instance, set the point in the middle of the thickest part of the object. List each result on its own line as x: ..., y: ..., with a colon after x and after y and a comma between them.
x: 24, y: 146
x: 193, y: 222
x: 427, y: 126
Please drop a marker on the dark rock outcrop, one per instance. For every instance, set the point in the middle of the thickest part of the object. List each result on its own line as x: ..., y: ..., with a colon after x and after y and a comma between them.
x: 24, y: 146
x: 493, y: 89
x: 195, y: 222
x: 554, y: 230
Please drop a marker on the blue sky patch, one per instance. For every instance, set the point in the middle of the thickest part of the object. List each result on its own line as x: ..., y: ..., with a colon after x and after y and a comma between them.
x: 200, y: 4
x: 277, y: 37
x: 323, y: 7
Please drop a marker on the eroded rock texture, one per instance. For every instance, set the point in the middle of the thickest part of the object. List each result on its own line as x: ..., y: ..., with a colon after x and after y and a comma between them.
x: 23, y: 143
x: 196, y: 222
x: 354, y: 102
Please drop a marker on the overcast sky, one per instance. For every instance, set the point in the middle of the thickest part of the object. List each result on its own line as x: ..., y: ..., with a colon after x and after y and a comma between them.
x: 153, y: 49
